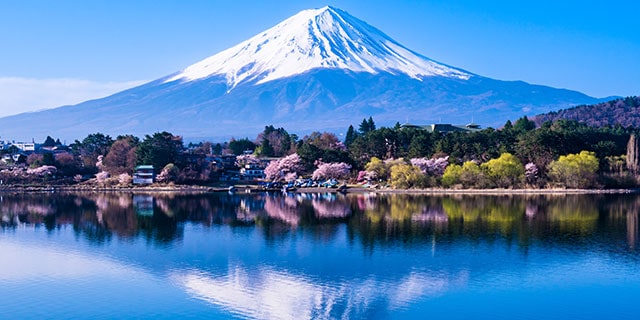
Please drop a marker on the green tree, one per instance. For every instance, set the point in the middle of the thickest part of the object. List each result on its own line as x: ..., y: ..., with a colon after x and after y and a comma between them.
x: 350, y: 136
x: 367, y: 126
x: 421, y: 143
x: 160, y: 149
x: 274, y: 142
x: 88, y: 150
x: 371, y: 124
x: 238, y: 147
x: 575, y: 170
x: 216, y: 149
x: 48, y: 159
x: 324, y: 147
x: 523, y: 125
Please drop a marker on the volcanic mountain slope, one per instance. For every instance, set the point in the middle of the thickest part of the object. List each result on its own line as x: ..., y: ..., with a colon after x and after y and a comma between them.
x: 321, y: 69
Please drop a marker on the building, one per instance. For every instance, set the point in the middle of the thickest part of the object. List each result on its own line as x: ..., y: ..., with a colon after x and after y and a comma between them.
x: 253, y: 171
x: 25, y: 146
x: 144, y: 175
x: 445, y: 128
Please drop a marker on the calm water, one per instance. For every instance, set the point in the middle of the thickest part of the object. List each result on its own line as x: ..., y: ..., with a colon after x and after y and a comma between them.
x: 320, y: 256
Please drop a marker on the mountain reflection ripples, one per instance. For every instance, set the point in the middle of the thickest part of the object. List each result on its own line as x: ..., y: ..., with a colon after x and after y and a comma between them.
x: 318, y: 256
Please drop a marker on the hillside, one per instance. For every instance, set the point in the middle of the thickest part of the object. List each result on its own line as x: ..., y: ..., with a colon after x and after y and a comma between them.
x: 623, y: 111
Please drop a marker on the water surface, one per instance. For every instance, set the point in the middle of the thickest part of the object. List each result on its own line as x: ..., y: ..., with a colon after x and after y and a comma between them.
x: 319, y: 256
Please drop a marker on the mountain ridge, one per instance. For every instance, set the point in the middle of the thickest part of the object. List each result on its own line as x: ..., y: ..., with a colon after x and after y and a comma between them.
x: 341, y: 82
x: 619, y: 111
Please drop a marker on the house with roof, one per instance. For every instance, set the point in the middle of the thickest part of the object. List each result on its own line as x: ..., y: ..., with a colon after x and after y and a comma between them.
x: 445, y: 128
x: 143, y: 174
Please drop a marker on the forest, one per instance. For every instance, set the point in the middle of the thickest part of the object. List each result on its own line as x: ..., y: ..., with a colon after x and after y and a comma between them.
x: 558, y: 154
x: 622, y: 111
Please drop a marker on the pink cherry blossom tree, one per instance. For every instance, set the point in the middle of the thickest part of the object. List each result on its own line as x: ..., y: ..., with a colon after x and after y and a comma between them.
x: 433, y: 167
x: 336, y: 170
x: 246, y: 159
x: 283, y: 168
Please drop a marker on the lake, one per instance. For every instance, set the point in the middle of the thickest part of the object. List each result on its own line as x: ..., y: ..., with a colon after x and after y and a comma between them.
x: 318, y: 256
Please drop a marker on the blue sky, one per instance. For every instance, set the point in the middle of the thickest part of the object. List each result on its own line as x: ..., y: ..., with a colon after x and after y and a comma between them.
x: 64, y: 52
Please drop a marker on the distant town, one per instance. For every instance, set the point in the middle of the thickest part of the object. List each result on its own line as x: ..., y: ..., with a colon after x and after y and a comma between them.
x: 560, y: 154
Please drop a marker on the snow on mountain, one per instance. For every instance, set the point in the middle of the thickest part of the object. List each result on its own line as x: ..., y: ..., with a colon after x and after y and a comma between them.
x: 317, y: 38
x: 321, y: 70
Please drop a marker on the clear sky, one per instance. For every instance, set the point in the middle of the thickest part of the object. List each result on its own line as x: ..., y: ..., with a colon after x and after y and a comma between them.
x: 67, y: 51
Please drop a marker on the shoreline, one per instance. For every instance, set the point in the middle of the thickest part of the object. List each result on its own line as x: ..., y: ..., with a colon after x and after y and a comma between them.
x: 240, y: 189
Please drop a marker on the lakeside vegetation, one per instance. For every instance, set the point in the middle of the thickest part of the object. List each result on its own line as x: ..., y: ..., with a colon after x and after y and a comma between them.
x: 559, y: 154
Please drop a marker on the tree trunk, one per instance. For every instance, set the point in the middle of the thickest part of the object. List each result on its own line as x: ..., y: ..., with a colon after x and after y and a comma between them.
x: 632, y: 154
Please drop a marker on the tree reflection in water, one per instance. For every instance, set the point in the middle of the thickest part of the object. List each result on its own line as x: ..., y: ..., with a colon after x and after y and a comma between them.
x: 374, y: 219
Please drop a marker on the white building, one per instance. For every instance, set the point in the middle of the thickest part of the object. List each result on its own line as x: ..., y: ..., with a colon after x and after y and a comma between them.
x: 25, y: 146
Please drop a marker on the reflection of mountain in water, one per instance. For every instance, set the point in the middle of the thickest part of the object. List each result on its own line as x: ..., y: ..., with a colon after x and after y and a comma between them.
x: 330, y: 256
x: 266, y: 293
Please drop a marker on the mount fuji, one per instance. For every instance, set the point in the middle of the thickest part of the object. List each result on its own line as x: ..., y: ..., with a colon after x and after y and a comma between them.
x: 321, y: 69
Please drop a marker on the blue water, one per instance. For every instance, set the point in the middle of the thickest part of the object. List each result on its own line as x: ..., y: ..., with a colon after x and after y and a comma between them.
x: 164, y: 256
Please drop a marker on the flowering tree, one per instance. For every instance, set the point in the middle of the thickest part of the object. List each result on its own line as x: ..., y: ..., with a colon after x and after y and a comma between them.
x: 279, y: 169
x: 324, y: 141
x: 102, y: 176
x: 42, y: 171
x: 363, y: 175
x: 531, y: 172
x: 379, y: 169
x: 331, y: 171
x: 246, y: 159
x: 433, y: 167
x: 168, y: 174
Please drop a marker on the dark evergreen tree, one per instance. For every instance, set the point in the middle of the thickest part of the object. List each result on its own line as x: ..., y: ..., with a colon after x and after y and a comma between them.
x: 48, y: 159
x: 524, y: 124
x: 238, y: 147
x: 216, y: 149
x: 350, y: 136
x: 371, y: 124
x: 88, y: 150
x: 508, y: 125
x: 160, y: 149
x: 49, y: 142
x: 275, y: 142
x: 364, y: 127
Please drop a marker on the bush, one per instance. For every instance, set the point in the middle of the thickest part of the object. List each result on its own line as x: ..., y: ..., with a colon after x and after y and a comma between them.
x: 381, y: 170
x: 469, y: 175
x: 505, y: 171
x: 406, y: 176
x: 451, y: 175
x: 575, y: 170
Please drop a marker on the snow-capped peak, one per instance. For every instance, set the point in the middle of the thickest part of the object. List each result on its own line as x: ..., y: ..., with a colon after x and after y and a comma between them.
x: 317, y: 38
